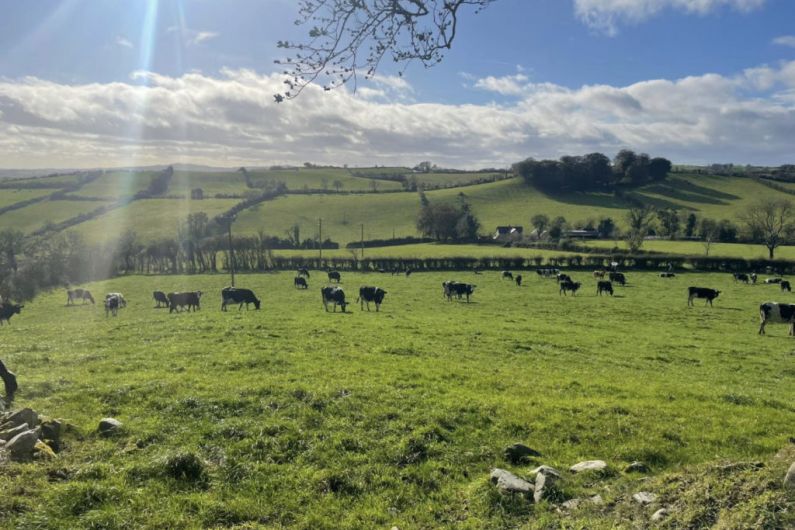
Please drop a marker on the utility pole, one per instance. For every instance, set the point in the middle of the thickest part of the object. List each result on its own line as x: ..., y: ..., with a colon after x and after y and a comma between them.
x: 362, y: 240
x: 320, y: 237
x: 228, y: 220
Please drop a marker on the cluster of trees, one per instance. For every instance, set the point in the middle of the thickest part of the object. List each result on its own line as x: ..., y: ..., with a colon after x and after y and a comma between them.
x: 593, y: 171
x: 158, y: 185
x: 447, y: 222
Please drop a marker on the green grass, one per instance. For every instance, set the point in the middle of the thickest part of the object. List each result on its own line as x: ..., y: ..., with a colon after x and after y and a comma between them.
x: 182, y: 182
x: 9, y: 197
x: 55, y: 181
x: 37, y: 215
x: 116, y: 184
x: 293, y: 417
x: 430, y: 250
x: 697, y: 248
x: 452, y: 179
x: 312, y: 178
x: 149, y: 218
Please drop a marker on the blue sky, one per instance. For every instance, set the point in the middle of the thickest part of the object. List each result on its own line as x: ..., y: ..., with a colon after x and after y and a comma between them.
x: 695, y: 80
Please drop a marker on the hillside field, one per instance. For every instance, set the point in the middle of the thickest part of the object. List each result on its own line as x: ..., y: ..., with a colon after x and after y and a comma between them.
x: 294, y: 417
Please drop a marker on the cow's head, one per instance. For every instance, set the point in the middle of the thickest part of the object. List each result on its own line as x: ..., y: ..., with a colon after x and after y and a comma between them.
x: 16, y: 308
x: 257, y: 303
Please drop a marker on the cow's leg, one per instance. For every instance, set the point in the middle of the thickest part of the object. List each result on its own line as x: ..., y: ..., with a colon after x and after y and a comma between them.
x: 762, y: 326
x: 377, y: 307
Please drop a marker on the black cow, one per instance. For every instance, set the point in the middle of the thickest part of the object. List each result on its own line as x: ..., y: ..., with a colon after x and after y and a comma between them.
x: 701, y: 292
x: 667, y: 275
x: 371, y: 294
x: 112, y: 305
x: 161, y: 300
x: 7, y: 310
x: 303, y: 272
x: 235, y: 295
x: 177, y: 301
x: 785, y: 286
x: 333, y: 295
x: 458, y: 289
x: 78, y: 294
x: 741, y: 277
x: 563, y: 277
x: 334, y: 276
x: 568, y: 285
x: 619, y: 278
x: 299, y: 282
x: 507, y: 274
x: 778, y: 314
x: 518, y: 280
x: 604, y: 286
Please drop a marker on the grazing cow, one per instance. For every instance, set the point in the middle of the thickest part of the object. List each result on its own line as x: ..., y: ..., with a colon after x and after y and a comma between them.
x: 507, y: 274
x: 303, y: 272
x: 599, y: 274
x: 461, y: 289
x: 447, y: 288
x: 568, y: 285
x: 518, y: 280
x: 785, y: 286
x: 334, y: 276
x: 235, y: 295
x: 667, y: 275
x: 7, y: 310
x: 371, y: 294
x: 177, y: 301
x: 122, y: 301
x: 741, y: 277
x: 701, y: 292
x: 547, y: 272
x: 753, y: 278
x: 771, y: 281
x: 563, y: 277
x: 161, y: 300
x: 777, y: 314
x: 78, y: 294
x: 333, y: 295
x: 299, y: 282
x: 112, y: 305
x: 619, y: 278
x: 604, y: 286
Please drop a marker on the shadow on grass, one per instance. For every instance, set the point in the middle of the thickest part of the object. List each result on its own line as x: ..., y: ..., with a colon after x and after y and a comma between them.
x: 683, y: 190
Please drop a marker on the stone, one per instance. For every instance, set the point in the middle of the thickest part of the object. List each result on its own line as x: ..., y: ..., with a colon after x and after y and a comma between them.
x: 659, y: 515
x: 644, y: 497
x: 637, y: 467
x: 573, y: 504
x: 16, y: 419
x: 789, y: 479
x: 507, y: 482
x: 544, y: 487
x: 43, y: 451
x: 21, y: 446
x: 51, y: 430
x: 109, y: 426
x: 588, y: 465
x: 547, y: 470
x: 518, y: 453
x: 10, y: 433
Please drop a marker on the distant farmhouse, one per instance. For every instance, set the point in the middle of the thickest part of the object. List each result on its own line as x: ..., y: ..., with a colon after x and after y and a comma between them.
x: 508, y: 233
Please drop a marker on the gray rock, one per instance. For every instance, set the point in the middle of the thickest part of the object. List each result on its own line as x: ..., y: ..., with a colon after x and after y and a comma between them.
x: 659, y: 515
x: 2, y: 443
x: 545, y: 487
x: 588, y: 465
x: 507, y: 482
x: 546, y: 470
x: 19, y: 417
x: 573, y: 504
x: 51, y: 430
x: 637, y: 467
x: 109, y: 426
x: 644, y: 497
x: 21, y: 446
x: 10, y: 433
x: 789, y: 480
x: 518, y: 453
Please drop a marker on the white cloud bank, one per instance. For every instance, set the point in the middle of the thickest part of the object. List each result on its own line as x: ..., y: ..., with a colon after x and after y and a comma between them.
x: 785, y: 40
x: 232, y: 120
x: 607, y: 15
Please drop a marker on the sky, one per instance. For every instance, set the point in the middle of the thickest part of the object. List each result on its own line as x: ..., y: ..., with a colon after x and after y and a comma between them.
x: 102, y: 83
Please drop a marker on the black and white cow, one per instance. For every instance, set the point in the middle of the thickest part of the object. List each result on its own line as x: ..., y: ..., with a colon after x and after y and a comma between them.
x: 777, y: 314
x: 561, y: 277
x: 604, y: 286
x: 122, y: 300
x: 785, y: 286
x: 235, y: 295
x: 547, y: 272
x: 741, y: 277
x: 772, y: 281
x: 189, y: 300
x: 371, y: 294
x: 333, y: 295
x: 7, y: 310
x: 507, y: 274
x: 701, y: 292
x: 667, y: 275
x: 458, y: 289
x: 753, y: 277
x: 78, y: 294
x: 334, y: 276
x: 619, y: 278
x: 599, y: 274
x: 569, y: 285
x: 303, y: 272
x: 518, y: 280
x: 299, y: 282
x: 160, y: 298
x: 112, y: 305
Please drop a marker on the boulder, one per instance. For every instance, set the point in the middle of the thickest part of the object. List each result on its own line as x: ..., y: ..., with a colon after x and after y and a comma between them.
x: 637, y: 467
x: 21, y: 446
x: 789, y: 479
x: 588, y: 465
x: 573, y: 504
x: 544, y: 487
x: 16, y: 419
x: 518, y: 453
x: 10, y: 433
x: 507, y: 482
x: 547, y: 470
x: 644, y: 497
x: 659, y: 515
x: 109, y: 426
x: 51, y: 430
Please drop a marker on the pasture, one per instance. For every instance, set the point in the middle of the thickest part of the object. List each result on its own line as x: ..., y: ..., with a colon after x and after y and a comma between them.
x: 294, y: 417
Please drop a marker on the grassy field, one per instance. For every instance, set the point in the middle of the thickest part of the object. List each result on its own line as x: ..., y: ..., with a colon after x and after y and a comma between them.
x: 116, y: 184
x: 37, y: 215
x: 430, y: 250
x: 9, y: 197
x: 696, y: 248
x: 313, y: 178
x: 291, y: 417
x: 452, y: 179
x: 182, y: 182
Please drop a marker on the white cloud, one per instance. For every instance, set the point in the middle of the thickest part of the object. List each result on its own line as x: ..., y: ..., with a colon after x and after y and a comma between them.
x: 193, y: 37
x: 231, y: 119
x: 607, y: 15
x: 510, y: 85
x: 785, y: 40
x: 123, y: 42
